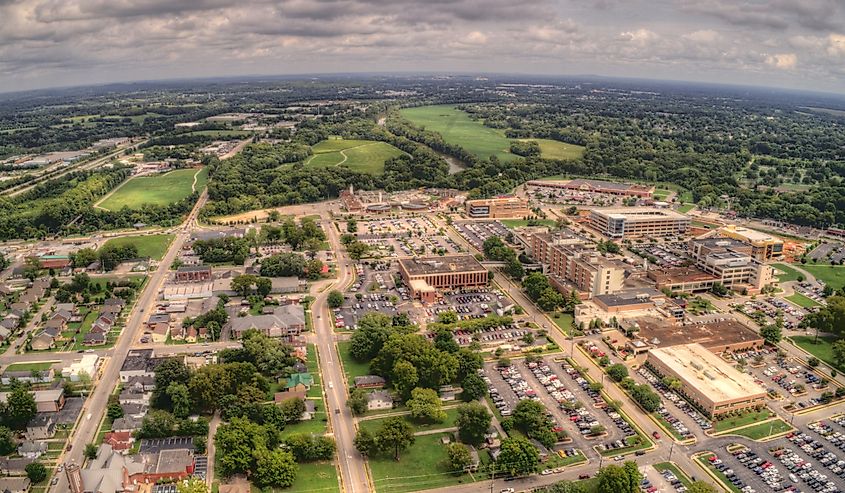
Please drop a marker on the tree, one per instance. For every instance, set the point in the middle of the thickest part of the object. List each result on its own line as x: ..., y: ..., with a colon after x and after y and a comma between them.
x: 550, y: 300
x: 838, y: 349
x: 365, y: 443
x: 719, y: 289
x: 425, y: 406
x: 263, y: 286
x: 90, y: 451
x: 275, y: 468
x: 180, y: 398
x: 813, y: 362
x: 114, y: 411
x: 458, y: 458
x: 394, y: 436
x: 473, y: 422
x: 20, y: 407
x: 357, y: 250
x: 335, y: 299
x: 7, y: 441
x: 36, y: 472
x: 615, y: 479
x: 648, y: 399
x: 474, y: 388
x: 701, y: 487
x: 292, y: 410
x: 405, y: 378
x: 283, y: 264
x: 771, y: 333
x: 518, y: 456
x: 617, y: 372
x: 192, y: 485
x: 357, y: 401
x: 171, y: 370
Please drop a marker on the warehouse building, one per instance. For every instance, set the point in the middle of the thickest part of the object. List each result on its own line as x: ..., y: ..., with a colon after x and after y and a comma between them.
x: 764, y: 246
x: 425, y: 275
x: 498, y: 208
x: 638, y: 222
x: 707, y: 381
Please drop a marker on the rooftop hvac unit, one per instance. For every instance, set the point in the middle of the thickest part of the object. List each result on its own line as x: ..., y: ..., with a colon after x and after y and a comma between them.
x: 696, y: 365
x: 708, y: 375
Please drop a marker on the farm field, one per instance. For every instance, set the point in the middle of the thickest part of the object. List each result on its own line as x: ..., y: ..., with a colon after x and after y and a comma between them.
x: 458, y: 128
x: 365, y: 156
x: 833, y: 276
x: 152, y: 246
x: 156, y: 190
x: 555, y: 149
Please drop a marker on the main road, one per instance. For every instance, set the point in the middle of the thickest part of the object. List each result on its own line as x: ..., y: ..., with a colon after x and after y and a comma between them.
x: 95, y: 406
x: 352, y: 467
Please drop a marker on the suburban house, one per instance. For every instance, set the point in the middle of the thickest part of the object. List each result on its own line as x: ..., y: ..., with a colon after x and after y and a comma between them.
x: 369, y: 382
x: 41, y: 427
x: 126, y: 423
x: 120, y: 441
x: 380, y: 399
x: 299, y: 382
x: 29, y: 376
x: 46, y: 401
x: 42, y: 342
x: 31, y: 449
x: 14, y: 485
x: 94, y: 339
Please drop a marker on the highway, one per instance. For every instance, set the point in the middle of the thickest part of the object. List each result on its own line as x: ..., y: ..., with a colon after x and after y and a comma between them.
x: 351, y: 464
x: 95, y: 406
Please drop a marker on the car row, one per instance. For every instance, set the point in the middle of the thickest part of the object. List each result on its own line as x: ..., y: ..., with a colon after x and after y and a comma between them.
x: 580, y: 417
x: 763, y: 468
x: 678, y: 401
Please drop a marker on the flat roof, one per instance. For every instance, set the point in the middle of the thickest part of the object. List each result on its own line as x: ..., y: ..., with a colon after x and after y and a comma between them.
x: 609, y: 185
x: 639, y: 213
x: 709, y: 374
x: 749, y: 234
x: 716, y: 335
x: 418, y: 266
x: 629, y: 297
x: 502, y: 200
x: 680, y: 274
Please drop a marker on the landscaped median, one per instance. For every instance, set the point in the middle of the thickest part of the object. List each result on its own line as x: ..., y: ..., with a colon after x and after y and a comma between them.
x: 757, y: 425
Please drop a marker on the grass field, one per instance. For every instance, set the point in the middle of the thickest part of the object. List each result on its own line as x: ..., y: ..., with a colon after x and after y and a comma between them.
x: 365, y: 156
x: 788, y: 273
x: 821, y: 350
x: 763, y: 430
x: 38, y: 366
x: 518, y: 223
x: 351, y: 367
x: 156, y: 190
x: 833, y: 276
x: 563, y: 321
x: 373, y: 425
x: 420, y: 467
x: 555, y: 149
x: 686, y: 208
x: 152, y: 246
x: 457, y: 128
x: 802, y: 301
x: 743, y: 420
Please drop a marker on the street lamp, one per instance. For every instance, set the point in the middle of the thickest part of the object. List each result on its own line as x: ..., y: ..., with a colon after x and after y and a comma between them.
x: 671, y: 448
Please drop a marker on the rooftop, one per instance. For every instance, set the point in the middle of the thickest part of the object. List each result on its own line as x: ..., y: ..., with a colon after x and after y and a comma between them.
x: 680, y: 274
x: 607, y: 185
x: 716, y: 334
x: 748, y: 234
x: 639, y: 213
x: 629, y: 297
x: 708, y: 373
x: 441, y: 265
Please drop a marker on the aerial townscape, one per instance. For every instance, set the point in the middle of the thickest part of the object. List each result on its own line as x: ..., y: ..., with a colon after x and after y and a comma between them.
x: 398, y: 282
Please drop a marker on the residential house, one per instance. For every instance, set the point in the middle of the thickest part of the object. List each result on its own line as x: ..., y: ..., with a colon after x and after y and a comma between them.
x: 94, y: 339
x: 369, y: 382
x: 159, y: 332
x: 134, y: 411
x: 191, y: 335
x: 129, y: 396
x: 14, y: 466
x: 31, y: 449
x: 46, y: 401
x: 145, y: 383
x: 42, y: 342
x: 138, y: 362
x: 41, y: 427
x: 15, y: 485
x: 10, y: 323
x: 28, y: 376
x: 120, y: 441
x: 380, y: 399
x: 310, y: 410
x: 126, y: 423
x: 299, y: 381
x: 286, y: 321
x: 4, y: 333
x: 112, y: 472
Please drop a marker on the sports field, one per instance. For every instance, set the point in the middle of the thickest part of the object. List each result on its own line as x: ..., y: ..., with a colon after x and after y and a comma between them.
x: 156, y: 190
x: 555, y: 149
x: 456, y: 127
x: 152, y: 246
x: 365, y: 156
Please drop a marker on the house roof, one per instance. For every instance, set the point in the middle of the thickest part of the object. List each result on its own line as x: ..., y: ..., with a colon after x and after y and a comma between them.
x: 295, y: 379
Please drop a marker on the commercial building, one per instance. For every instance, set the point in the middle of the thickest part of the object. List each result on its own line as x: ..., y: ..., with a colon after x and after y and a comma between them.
x: 497, y: 208
x: 709, y: 382
x: 193, y: 273
x: 629, y: 300
x: 687, y: 279
x: 424, y: 275
x: 763, y: 245
x: 729, y: 261
x: 638, y: 222
x: 598, y: 186
x: 286, y: 321
x: 570, y: 259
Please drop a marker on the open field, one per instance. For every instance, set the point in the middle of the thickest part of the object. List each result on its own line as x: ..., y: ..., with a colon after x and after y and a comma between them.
x: 37, y: 366
x: 746, y: 419
x: 764, y: 430
x: 365, y: 156
x: 555, y: 149
x: 686, y: 208
x: 456, y: 127
x: 373, y: 425
x: 518, y: 223
x: 152, y: 246
x: 156, y: 190
x: 789, y: 274
x: 833, y: 276
x: 822, y: 350
x: 802, y: 301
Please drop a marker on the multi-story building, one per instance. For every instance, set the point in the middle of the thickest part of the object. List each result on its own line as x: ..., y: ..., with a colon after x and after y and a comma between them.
x: 730, y: 261
x: 193, y: 273
x: 569, y: 259
x: 638, y: 222
x: 709, y: 382
x: 498, y: 208
x: 424, y: 275
x: 599, y: 186
x: 763, y: 245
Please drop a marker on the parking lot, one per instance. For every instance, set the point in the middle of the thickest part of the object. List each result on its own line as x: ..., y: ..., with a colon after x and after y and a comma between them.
x: 765, y: 311
x: 551, y: 195
x: 828, y: 253
x: 677, y: 412
x: 475, y: 232
x: 374, y: 290
x: 403, y: 237
x: 672, y: 254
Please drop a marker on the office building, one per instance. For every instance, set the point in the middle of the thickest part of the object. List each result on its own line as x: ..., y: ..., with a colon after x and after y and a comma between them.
x: 424, y: 275
x: 638, y: 222
x: 598, y: 186
x: 709, y: 382
x: 498, y: 208
x: 569, y: 259
x: 764, y: 246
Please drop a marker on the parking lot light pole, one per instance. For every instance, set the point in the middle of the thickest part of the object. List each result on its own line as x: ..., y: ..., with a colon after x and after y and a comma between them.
x: 671, y: 448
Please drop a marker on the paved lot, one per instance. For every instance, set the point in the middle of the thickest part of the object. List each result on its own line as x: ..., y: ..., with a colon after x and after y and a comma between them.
x: 475, y: 232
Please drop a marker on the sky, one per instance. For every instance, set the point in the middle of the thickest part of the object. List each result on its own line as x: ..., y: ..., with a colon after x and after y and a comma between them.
x: 797, y: 44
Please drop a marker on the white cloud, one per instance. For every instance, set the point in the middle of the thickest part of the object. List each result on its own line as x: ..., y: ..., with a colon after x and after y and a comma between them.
x: 640, y: 36
x: 836, y: 44
x: 783, y: 61
x: 702, y: 36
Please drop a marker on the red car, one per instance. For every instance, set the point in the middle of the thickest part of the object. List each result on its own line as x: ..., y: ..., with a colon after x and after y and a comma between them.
x: 656, y: 435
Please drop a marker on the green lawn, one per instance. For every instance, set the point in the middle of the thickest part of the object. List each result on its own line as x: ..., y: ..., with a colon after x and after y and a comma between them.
x: 420, y: 467
x: 152, y: 246
x: 563, y: 321
x: 821, y: 350
x: 373, y: 425
x: 156, y: 190
x: 37, y: 366
x: 671, y: 466
x: 457, y: 128
x: 314, y: 426
x: 313, y: 476
x: 316, y: 390
x: 833, y: 276
x: 555, y: 149
x: 802, y: 301
x: 519, y: 223
x: 743, y: 420
x: 351, y: 367
x: 366, y: 156
x: 787, y: 273
x: 686, y: 208
x: 763, y: 430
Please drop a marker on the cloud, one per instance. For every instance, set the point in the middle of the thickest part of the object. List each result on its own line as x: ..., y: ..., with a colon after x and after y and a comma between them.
x: 640, y: 36
x: 783, y: 61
